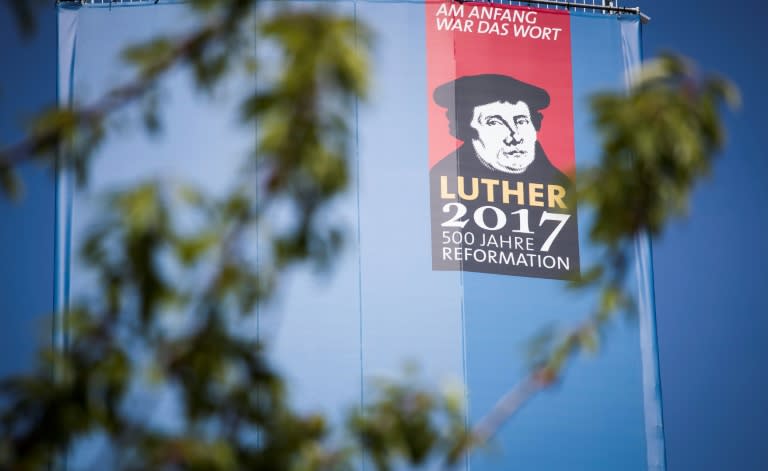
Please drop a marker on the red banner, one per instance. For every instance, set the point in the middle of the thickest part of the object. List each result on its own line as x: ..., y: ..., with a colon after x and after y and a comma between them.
x: 535, y: 47
x: 501, y: 146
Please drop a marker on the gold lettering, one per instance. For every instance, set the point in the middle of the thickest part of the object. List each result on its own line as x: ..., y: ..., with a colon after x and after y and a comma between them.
x: 489, y: 184
x: 555, y: 196
x: 506, y: 192
x: 511, y: 192
x: 462, y: 193
x: 535, y: 193
x: 444, y: 189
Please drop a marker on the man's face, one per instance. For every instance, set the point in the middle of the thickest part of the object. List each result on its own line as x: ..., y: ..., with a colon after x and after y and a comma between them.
x: 506, y: 138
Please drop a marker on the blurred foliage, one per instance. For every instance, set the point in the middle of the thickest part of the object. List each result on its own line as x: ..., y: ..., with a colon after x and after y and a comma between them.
x: 23, y: 12
x: 408, y: 424
x: 173, y: 282
x: 658, y: 140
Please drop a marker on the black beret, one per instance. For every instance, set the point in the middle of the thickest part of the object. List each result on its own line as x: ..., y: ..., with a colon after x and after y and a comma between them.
x: 474, y: 90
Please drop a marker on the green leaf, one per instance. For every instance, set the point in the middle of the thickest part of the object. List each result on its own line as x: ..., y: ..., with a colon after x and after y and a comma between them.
x: 10, y: 183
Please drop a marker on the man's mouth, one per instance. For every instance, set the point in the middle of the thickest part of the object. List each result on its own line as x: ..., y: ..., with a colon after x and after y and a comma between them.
x: 514, y: 154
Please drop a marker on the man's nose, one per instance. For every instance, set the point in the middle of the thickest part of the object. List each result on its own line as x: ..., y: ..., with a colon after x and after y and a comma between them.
x: 513, y: 137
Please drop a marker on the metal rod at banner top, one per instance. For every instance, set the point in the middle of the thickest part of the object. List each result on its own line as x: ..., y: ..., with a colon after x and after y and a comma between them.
x: 605, y: 5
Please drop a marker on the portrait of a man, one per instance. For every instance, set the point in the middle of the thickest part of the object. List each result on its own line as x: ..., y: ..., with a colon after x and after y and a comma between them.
x: 510, y: 196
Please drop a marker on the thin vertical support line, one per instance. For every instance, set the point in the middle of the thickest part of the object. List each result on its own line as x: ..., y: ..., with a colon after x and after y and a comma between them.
x: 65, y: 69
x: 649, y: 346
x: 58, y: 188
x: 63, y: 203
x: 462, y: 301
x: 359, y: 243
x: 257, y: 193
x: 258, y: 203
x: 464, y: 370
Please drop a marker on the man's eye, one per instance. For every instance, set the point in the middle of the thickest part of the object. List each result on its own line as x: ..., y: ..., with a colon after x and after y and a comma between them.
x: 493, y: 121
x: 521, y: 121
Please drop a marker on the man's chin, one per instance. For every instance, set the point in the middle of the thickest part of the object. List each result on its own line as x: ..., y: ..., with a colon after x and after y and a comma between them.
x: 512, y: 169
x: 513, y: 164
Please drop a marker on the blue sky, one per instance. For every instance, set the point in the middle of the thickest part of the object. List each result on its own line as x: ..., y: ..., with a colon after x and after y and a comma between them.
x: 710, y: 267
